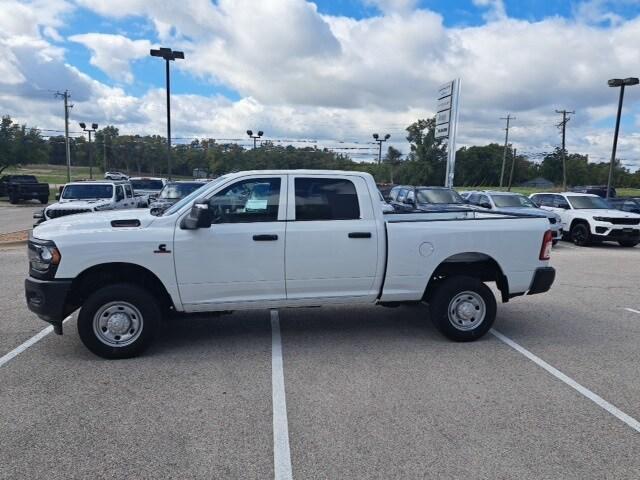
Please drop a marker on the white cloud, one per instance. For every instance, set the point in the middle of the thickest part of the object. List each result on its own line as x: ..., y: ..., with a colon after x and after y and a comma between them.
x: 303, y: 74
x: 113, y: 53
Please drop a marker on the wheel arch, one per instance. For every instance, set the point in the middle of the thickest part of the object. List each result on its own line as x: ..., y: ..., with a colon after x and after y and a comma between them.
x: 471, y: 264
x: 97, y: 276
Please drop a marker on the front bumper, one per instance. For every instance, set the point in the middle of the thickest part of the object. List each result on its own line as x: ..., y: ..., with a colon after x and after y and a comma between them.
x: 542, y: 280
x: 619, y: 233
x: 47, y: 299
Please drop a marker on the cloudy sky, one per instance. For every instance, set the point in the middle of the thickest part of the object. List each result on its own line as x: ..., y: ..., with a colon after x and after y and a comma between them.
x: 330, y: 71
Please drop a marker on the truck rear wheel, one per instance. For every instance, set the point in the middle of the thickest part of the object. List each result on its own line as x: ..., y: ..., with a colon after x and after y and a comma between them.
x: 13, y: 199
x: 462, y: 308
x: 119, y: 321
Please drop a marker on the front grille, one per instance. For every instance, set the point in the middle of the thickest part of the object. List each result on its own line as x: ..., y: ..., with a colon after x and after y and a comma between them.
x: 552, y: 221
x: 624, y: 221
x: 55, y: 213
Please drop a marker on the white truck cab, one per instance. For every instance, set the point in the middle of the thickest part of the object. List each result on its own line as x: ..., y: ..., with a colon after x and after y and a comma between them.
x: 91, y: 196
x: 589, y: 218
x: 278, y: 239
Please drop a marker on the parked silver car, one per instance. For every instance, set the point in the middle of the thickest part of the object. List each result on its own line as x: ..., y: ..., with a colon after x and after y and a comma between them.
x: 511, y: 202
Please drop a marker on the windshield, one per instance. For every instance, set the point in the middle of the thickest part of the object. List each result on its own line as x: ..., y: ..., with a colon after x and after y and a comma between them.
x: 582, y: 202
x: 438, y: 196
x: 192, y: 196
x: 147, y: 184
x: 85, y: 192
x: 24, y: 179
x: 513, y: 201
x: 176, y: 191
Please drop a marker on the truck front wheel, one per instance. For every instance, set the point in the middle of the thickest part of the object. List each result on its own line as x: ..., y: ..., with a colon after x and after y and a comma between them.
x: 462, y: 308
x: 119, y: 321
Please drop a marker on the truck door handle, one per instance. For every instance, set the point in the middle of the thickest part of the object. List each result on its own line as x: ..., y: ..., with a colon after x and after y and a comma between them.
x: 360, y: 235
x: 265, y: 238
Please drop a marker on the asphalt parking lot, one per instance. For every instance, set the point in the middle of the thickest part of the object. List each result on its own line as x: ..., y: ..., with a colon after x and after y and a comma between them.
x: 365, y: 392
x: 17, y: 217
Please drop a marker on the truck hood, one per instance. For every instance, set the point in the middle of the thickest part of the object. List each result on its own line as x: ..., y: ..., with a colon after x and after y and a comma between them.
x: 603, y: 212
x: 95, y: 222
x: 529, y: 211
x: 73, y: 204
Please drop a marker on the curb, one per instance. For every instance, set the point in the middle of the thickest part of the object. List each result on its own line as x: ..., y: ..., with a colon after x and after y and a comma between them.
x: 13, y: 244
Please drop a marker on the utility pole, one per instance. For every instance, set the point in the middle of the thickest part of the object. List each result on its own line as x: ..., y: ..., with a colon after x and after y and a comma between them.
x: 508, y: 118
x: 513, y: 166
x: 67, y: 106
x: 104, y: 152
x: 563, y: 126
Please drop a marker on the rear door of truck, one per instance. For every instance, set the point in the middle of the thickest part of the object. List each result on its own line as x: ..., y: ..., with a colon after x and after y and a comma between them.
x: 333, y: 246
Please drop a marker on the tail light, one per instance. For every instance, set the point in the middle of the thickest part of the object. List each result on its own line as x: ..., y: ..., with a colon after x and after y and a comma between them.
x: 547, y: 242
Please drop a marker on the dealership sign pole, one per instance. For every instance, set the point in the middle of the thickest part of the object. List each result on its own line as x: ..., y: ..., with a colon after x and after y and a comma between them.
x: 447, y: 123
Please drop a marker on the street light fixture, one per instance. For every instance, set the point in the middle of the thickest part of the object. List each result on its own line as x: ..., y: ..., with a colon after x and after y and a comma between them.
x: 255, y: 137
x: 618, y: 82
x: 377, y: 138
x: 168, y: 55
x: 94, y: 127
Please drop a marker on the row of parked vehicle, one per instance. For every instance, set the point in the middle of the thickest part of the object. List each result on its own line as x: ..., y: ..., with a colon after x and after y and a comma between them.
x: 580, y: 217
x: 117, y: 191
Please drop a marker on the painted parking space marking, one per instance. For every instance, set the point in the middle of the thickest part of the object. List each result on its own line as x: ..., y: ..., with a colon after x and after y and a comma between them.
x: 32, y: 341
x: 281, y: 451
x: 595, y: 398
x: 632, y: 310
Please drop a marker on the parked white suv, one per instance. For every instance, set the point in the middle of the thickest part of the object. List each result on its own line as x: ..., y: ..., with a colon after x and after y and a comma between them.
x: 84, y: 197
x: 590, y: 218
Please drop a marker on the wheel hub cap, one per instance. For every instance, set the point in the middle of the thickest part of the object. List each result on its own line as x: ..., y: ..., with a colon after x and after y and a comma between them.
x: 117, y: 324
x: 467, y: 310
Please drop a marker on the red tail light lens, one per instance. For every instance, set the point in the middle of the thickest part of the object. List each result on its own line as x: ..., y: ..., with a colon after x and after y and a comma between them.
x: 547, y: 242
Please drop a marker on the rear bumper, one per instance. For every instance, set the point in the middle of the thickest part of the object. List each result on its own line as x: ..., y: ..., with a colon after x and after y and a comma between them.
x: 542, y: 280
x: 47, y: 299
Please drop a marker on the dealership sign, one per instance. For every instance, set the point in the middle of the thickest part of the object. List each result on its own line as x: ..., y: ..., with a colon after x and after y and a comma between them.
x: 447, y: 122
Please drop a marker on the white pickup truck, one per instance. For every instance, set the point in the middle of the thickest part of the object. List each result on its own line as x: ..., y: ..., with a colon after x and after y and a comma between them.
x: 275, y: 239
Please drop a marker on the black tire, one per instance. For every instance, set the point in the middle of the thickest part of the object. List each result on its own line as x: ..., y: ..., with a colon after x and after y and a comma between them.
x: 13, y: 199
x: 452, y: 289
x: 554, y: 242
x: 44, y: 200
x: 128, y: 294
x: 580, y: 234
x: 628, y: 243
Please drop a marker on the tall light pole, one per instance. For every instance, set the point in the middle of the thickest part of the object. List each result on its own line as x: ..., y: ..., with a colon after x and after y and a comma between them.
x: 94, y: 127
x: 168, y: 55
x: 255, y: 137
x: 377, y: 138
x: 618, y: 82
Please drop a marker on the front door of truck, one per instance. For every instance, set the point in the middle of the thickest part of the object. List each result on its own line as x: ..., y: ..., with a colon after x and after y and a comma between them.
x: 240, y: 258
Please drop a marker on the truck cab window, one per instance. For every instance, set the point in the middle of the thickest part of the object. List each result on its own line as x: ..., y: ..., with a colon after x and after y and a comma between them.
x: 254, y: 200
x: 326, y: 199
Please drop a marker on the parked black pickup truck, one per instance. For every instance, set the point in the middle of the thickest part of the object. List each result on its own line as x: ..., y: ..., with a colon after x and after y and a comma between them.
x: 23, y: 187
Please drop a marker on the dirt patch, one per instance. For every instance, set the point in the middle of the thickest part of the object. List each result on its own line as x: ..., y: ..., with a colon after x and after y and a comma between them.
x: 14, y: 237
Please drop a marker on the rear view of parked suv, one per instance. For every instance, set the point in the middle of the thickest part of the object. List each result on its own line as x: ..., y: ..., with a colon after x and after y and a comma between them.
x: 589, y: 218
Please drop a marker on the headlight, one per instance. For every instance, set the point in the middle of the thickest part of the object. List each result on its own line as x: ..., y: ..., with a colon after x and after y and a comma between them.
x: 601, y: 219
x: 106, y: 206
x: 44, y: 258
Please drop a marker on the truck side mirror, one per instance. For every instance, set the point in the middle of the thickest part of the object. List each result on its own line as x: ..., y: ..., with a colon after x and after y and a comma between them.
x: 198, y: 217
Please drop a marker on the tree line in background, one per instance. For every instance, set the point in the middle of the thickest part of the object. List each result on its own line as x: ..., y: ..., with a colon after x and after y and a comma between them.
x: 424, y: 165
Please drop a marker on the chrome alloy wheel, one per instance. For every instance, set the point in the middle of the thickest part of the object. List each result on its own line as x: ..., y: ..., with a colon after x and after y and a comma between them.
x: 117, y: 324
x: 466, y: 310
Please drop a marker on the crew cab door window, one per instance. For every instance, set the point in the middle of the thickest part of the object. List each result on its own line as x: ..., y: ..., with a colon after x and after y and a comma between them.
x: 240, y: 258
x: 128, y: 191
x: 326, y: 199
x: 119, y: 193
x: 332, y: 238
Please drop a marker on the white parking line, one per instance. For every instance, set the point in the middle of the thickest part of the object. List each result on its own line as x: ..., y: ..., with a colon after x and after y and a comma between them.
x: 632, y: 310
x: 601, y: 402
x: 281, y: 452
x: 33, y: 340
